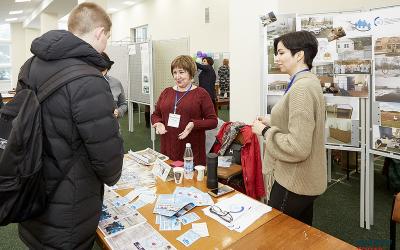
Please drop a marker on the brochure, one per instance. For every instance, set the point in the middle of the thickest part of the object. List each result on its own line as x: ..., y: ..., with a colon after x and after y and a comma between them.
x: 141, y: 237
x: 163, y: 170
x: 111, y: 226
x: 170, y: 205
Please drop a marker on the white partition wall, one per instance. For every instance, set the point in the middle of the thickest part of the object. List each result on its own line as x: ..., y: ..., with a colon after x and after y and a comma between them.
x: 164, y: 51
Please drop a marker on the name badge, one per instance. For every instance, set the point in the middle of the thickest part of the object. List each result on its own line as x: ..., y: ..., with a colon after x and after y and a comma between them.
x: 173, y: 120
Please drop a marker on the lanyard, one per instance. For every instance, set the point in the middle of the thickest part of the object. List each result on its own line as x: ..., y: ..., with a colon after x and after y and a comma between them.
x: 176, y: 97
x: 292, y: 80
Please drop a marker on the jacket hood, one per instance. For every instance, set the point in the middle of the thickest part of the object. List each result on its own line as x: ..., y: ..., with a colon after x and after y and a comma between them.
x: 62, y: 44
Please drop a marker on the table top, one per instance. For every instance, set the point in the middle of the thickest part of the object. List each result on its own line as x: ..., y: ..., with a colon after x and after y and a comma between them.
x: 285, y: 232
x: 273, y: 230
x: 220, y: 236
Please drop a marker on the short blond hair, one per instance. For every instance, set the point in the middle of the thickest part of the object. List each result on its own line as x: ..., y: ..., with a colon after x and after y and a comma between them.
x: 86, y: 17
x: 186, y: 63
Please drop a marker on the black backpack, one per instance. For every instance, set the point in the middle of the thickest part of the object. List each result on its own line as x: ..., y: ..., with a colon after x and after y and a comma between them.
x: 22, y: 184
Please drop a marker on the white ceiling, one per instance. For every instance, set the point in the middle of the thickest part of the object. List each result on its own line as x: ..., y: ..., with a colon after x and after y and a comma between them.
x: 31, y: 10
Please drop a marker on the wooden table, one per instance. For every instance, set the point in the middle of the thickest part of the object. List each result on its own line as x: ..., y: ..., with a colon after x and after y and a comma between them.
x: 272, y: 230
x: 284, y: 232
x: 7, y: 97
x: 221, y: 102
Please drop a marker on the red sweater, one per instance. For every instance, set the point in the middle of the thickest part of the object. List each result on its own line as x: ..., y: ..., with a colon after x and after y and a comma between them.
x: 251, y: 161
x: 196, y: 107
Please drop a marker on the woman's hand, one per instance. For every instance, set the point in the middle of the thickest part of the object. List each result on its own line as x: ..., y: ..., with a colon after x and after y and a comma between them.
x: 266, y: 120
x: 257, y: 127
x: 116, y: 113
x: 187, y: 131
x: 160, y: 128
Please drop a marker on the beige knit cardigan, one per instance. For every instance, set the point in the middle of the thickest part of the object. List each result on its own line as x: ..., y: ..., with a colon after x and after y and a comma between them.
x: 295, y: 143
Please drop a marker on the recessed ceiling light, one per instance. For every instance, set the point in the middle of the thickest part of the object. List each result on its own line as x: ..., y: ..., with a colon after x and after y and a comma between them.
x: 112, y: 10
x: 15, y: 12
x: 129, y: 2
x: 21, y: 1
x: 11, y: 19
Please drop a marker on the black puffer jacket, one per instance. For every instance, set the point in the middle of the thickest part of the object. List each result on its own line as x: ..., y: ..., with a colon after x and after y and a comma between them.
x: 77, y: 117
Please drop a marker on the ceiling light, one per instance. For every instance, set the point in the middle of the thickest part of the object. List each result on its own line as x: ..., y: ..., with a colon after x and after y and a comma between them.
x: 112, y: 10
x: 11, y: 19
x: 21, y: 1
x: 15, y: 12
x: 129, y: 2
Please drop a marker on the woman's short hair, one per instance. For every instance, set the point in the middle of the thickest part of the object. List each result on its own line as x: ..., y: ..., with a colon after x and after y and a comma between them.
x: 186, y: 63
x: 299, y: 41
x: 209, y: 60
x: 86, y: 17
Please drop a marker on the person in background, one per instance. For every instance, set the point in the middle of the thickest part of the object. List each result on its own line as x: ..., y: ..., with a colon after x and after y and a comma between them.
x: 223, y: 75
x: 79, y: 129
x: 183, y: 113
x: 207, y: 77
x: 1, y: 101
x: 117, y: 89
x: 294, y: 157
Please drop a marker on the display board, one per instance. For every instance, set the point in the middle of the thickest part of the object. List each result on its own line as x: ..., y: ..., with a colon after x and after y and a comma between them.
x: 164, y: 51
x: 140, y: 75
x: 120, y: 70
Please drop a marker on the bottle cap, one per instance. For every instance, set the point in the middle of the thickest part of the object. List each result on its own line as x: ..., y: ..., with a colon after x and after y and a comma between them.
x: 188, y: 145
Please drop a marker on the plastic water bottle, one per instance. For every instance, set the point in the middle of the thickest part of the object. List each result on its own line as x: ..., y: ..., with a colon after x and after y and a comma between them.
x: 188, y: 162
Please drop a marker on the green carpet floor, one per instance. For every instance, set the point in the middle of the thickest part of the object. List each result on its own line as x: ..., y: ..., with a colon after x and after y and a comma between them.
x: 335, y: 212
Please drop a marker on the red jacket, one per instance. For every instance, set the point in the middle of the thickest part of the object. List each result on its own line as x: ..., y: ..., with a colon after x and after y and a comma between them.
x: 251, y: 160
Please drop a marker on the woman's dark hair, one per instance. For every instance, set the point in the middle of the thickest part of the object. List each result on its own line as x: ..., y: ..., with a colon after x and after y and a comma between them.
x: 209, y: 60
x: 299, y: 41
x: 109, y: 62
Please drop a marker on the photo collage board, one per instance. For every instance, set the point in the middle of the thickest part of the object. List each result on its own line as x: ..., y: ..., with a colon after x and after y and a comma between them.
x: 358, y: 57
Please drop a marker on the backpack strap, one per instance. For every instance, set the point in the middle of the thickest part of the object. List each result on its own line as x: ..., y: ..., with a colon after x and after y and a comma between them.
x: 64, y: 77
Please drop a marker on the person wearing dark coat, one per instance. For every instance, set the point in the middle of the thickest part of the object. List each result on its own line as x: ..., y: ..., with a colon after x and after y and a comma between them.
x: 207, y: 77
x: 77, y: 118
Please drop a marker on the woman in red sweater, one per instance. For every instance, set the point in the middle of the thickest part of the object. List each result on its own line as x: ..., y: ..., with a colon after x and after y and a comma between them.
x: 183, y: 113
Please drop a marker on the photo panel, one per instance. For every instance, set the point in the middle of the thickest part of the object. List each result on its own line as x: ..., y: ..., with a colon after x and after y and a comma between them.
x: 324, y: 72
x: 351, y: 85
x: 386, y: 138
x: 389, y: 114
x: 355, y: 48
x: 353, y: 67
x: 284, y: 24
x: 321, y: 26
x: 271, y: 101
x: 273, y: 67
x: 387, y: 78
x: 326, y: 51
x: 342, y: 107
x: 277, y: 84
x: 342, y: 131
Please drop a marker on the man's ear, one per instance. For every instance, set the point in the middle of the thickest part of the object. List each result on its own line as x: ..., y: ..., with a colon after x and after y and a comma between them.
x: 98, y: 31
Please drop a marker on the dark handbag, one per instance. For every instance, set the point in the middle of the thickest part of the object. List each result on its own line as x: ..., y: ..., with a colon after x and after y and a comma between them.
x: 234, y: 150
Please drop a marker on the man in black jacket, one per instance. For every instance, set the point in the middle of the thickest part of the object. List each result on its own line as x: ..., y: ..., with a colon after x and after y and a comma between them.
x: 77, y: 118
x: 207, y: 77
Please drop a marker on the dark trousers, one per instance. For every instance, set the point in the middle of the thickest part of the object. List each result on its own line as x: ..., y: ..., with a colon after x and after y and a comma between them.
x: 297, y: 206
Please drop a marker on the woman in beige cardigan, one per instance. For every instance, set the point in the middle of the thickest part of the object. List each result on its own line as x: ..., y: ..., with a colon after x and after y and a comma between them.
x: 294, y: 134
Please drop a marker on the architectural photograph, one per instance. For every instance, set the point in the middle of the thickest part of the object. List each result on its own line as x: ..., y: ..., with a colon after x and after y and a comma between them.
x: 387, y: 78
x: 354, y: 48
